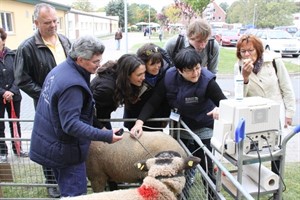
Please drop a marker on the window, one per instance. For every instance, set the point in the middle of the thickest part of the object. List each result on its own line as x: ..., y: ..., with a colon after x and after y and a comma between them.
x: 60, y: 23
x: 7, y: 21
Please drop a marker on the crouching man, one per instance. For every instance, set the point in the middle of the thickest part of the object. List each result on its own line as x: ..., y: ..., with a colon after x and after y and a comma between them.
x: 62, y: 129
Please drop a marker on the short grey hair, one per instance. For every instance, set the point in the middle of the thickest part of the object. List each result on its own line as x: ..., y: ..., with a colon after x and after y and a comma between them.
x: 86, y: 47
x: 199, y: 27
x: 38, y: 8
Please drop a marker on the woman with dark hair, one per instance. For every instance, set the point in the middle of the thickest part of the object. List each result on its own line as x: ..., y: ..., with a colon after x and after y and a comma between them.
x: 103, y: 86
x: 117, y: 83
x: 157, y: 62
x: 194, y: 94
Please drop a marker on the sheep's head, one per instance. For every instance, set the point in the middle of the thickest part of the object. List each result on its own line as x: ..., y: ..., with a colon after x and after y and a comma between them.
x: 168, y: 167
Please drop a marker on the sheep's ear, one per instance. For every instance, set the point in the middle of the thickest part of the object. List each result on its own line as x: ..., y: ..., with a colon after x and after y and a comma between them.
x: 191, y: 162
x: 141, y: 166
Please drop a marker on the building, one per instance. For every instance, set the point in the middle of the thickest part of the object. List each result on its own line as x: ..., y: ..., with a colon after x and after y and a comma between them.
x: 17, y: 20
x: 214, y: 14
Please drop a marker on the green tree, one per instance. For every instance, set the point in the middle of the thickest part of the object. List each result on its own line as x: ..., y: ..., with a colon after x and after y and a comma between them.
x: 84, y: 5
x: 197, y: 5
x: 224, y: 6
x: 116, y: 8
x: 172, y: 13
x: 262, y: 12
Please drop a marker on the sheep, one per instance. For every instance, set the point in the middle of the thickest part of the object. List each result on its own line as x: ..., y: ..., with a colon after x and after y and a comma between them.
x: 115, y: 162
x: 165, y: 179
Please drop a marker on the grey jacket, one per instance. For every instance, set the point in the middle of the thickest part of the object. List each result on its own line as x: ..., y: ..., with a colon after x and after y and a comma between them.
x: 170, y: 45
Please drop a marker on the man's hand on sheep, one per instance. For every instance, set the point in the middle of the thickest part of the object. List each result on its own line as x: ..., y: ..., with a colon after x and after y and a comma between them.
x: 116, y: 138
x: 137, y: 129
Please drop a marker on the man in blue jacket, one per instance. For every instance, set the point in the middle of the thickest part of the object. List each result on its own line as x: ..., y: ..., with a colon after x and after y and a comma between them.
x: 35, y: 57
x: 62, y: 129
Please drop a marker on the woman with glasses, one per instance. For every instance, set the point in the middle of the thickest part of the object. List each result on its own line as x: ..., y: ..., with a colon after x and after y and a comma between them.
x: 194, y: 96
x: 265, y: 75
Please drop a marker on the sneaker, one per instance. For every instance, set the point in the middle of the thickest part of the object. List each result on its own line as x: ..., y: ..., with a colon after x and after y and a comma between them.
x: 23, y: 154
x: 53, y: 192
x: 3, y: 158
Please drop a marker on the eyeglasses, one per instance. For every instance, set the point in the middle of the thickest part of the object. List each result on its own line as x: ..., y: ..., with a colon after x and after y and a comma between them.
x: 250, y: 51
x: 97, y: 62
x: 190, y: 71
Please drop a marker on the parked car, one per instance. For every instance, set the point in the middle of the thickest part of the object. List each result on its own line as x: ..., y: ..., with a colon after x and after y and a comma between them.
x: 242, y: 31
x: 252, y: 31
x: 228, y: 38
x: 279, y: 41
x: 290, y: 29
x: 297, y: 35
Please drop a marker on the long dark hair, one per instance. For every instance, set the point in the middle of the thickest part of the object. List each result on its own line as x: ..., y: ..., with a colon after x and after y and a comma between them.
x: 125, y: 92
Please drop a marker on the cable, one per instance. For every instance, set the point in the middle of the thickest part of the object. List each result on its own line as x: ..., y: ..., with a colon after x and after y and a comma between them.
x: 259, y: 167
x: 272, y: 160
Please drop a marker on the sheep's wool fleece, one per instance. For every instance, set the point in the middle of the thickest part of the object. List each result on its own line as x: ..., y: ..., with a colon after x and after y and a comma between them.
x: 151, y: 189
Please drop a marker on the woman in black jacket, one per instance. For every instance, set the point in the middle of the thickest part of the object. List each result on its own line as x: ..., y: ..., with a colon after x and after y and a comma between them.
x: 9, y: 92
x: 157, y: 62
x: 117, y: 83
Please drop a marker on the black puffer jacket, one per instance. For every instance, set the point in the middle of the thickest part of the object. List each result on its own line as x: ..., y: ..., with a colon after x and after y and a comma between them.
x: 34, y: 60
x: 103, y: 87
x: 7, y: 75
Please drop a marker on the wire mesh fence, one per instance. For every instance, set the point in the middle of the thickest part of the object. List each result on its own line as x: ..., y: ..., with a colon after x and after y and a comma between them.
x: 21, y: 178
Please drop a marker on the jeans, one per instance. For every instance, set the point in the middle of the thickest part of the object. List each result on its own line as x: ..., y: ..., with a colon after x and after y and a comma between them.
x: 71, y: 180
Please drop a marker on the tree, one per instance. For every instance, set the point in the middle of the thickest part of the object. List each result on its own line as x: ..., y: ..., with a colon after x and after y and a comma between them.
x: 84, y: 5
x: 197, y: 5
x: 116, y: 8
x: 224, y: 6
x: 261, y: 12
x: 172, y: 13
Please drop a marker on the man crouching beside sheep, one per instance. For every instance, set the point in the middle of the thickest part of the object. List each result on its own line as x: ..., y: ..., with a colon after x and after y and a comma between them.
x: 165, y: 179
x: 62, y: 130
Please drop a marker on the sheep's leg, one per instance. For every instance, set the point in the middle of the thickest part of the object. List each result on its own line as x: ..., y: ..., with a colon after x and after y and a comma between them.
x: 98, y: 185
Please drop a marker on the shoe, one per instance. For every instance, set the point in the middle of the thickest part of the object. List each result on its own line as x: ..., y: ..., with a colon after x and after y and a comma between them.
x: 3, y: 158
x: 23, y: 154
x: 53, y: 192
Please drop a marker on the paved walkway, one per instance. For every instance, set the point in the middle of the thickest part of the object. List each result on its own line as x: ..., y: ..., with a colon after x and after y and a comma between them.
x: 226, y: 83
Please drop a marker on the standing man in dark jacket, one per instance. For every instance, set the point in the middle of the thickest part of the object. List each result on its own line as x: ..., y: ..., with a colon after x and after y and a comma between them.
x: 118, y: 37
x: 35, y: 57
x: 9, y: 93
x: 63, y: 130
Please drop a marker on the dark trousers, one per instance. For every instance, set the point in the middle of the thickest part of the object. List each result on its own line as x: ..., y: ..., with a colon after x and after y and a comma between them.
x: 48, y: 172
x: 7, y: 107
x: 72, y: 180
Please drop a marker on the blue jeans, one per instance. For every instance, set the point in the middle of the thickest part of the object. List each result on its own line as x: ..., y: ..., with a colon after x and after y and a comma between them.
x: 71, y: 180
x: 118, y: 44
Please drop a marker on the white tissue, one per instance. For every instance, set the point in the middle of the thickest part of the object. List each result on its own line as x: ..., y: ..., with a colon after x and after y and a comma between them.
x: 268, y: 179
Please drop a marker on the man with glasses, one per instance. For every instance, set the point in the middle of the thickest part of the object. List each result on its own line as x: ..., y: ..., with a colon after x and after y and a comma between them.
x: 198, y: 36
x: 35, y: 57
x: 62, y: 129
